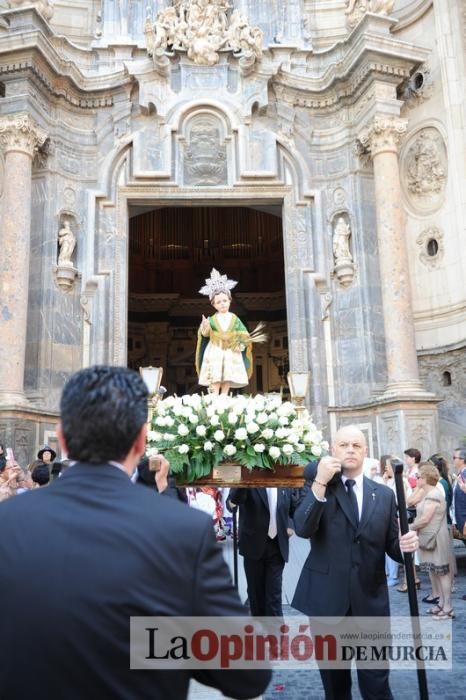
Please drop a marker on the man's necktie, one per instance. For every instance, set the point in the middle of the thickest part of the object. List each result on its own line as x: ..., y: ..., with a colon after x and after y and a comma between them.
x: 272, y: 499
x: 353, y: 500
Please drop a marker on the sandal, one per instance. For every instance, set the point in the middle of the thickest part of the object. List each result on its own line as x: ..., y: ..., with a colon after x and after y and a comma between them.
x: 404, y: 586
x: 430, y: 599
x: 444, y: 615
x: 435, y: 611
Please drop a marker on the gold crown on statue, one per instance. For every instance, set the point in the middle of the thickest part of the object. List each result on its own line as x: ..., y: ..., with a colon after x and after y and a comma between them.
x: 216, y: 284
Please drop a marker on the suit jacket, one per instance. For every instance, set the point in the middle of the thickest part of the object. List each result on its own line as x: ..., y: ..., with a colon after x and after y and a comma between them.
x: 78, y: 559
x: 346, y: 566
x: 459, y: 507
x: 254, y: 519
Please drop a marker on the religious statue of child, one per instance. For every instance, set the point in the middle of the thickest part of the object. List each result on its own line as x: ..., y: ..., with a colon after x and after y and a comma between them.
x: 224, y: 345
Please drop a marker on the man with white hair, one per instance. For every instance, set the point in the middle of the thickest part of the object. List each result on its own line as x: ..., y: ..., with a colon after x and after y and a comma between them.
x: 351, y: 522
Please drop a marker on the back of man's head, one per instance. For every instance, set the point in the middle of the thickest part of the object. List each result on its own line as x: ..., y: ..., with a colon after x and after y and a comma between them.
x: 41, y: 474
x: 102, y: 411
x: 413, y: 453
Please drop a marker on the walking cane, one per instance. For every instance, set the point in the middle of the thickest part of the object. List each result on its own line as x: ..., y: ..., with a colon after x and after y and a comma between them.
x: 235, y: 547
x: 409, y: 568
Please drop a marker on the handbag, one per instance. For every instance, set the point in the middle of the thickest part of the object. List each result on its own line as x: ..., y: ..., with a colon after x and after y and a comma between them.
x: 427, y: 540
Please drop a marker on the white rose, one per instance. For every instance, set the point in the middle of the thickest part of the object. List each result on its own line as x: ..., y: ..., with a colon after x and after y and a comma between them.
x: 208, y: 446
x: 262, y: 418
x: 293, y: 438
x: 168, y: 402
x: 219, y: 435
x: 169, y: 422
x: 177, y: 411
x: 241, y: 434
x: 169, y: 437
x: 316, y: 450
x: 252, y: 427
x: 201, y: 430
x: 160, y: 421
x: 183, y: 430
x: 232, y: 418
x: 185, y: 411
x: 229, y: 450
x: 210, y: 411
x: 153, y: 435
x: 267, y: 434
x: 193, y: 418
x: 287, y: 449
x: 283, y: 420
x: 259, y: 447
x: 299, y: 447
x: 281, y: 433
x: 215, y: 420
x: 274, y: 452
x: 183, y: 449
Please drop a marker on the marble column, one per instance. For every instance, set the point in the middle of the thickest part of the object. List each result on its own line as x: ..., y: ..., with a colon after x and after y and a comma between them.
x: 381, y: 140
x: 20, y: 137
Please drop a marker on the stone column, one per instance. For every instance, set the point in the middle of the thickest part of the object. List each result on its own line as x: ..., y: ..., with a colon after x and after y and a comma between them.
x: 381, y: 140
x: 20, y: 137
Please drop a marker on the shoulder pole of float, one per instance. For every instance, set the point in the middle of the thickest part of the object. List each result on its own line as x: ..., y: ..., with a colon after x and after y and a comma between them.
x: 410, y: 580
x: 235, y: 546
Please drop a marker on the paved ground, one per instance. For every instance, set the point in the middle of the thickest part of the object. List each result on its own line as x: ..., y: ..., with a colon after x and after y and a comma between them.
x: 305, y: 685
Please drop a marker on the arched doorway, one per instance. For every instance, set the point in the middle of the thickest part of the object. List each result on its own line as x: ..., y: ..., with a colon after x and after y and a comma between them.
x: 171, y: 252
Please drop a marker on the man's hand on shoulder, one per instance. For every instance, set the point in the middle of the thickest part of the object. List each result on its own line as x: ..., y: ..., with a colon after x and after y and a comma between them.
x: 328, y: 467
x: 161, y: 468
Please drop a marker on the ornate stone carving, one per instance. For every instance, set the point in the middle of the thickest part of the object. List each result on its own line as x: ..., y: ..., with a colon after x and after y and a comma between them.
x: 44, y: 7
x: 425, y: 171
x: 202, y: 28
x: 417, y: 88
x: 432, y: 248
x: 384, y: 134
x: 343, y: 259
x: 205, y: 155
x: 326, y: 302
x: 18, y: 132
x: 356, y: 9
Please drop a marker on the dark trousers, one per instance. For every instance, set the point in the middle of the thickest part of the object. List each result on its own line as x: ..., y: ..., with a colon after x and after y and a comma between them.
x: 264, y: 579
x: 373, y: 683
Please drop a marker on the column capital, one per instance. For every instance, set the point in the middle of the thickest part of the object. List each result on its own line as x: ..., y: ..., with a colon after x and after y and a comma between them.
x: 19, y: 132
x: 384, y: 134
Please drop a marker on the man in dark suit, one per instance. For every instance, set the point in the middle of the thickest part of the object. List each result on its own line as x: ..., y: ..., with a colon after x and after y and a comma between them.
x: 265, y: 527
x: 84, y: 555
x: 351, y: 522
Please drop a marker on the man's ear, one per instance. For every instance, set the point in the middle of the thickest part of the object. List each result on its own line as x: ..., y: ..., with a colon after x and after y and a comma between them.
x: 139, y: 444
x: 61, y: 439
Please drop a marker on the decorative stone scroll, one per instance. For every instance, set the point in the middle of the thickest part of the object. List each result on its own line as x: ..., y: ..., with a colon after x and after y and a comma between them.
x: 384, y: 134
x: 356, y: 9
x: 44, y: 7
x: 202, y: 28
x: 19, y: 132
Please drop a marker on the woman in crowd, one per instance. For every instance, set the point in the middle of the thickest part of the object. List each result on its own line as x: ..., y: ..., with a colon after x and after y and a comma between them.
x: 445, y: 483
x: 434, y: 540
x: 9, y: 481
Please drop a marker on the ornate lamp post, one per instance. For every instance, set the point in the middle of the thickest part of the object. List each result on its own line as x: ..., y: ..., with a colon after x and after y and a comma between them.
x: 152, y: 377
x: 299, y: 385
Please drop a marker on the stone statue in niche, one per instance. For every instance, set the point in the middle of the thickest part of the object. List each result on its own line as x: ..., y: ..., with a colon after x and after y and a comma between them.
x: 425, y: 171
x: 67, y: 243
x: 202, y: 28
x: 343, y: 260
x: 356, y: 9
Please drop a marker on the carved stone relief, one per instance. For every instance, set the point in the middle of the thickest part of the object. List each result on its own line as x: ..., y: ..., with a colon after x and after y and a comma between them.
x: 205, y: 153
x: 356, y: 9
x: 424, y: 167
x: 202, y: 28
x: 431, y: 245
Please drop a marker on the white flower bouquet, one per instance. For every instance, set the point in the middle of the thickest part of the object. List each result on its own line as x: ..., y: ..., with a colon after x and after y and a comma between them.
x: 197, y: 432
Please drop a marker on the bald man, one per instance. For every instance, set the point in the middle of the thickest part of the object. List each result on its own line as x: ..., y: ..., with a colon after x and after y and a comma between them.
x: 351, y: 522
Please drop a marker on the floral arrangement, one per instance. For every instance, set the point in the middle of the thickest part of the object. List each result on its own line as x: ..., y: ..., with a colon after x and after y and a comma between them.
x: 197, y: 432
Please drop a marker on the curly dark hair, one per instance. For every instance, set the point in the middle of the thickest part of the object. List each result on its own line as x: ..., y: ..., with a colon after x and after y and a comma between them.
x: 102, y: 410
x: 40, y: 474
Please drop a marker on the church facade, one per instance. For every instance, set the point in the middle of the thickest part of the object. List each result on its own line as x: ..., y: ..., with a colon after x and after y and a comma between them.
x: 313, y: 150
